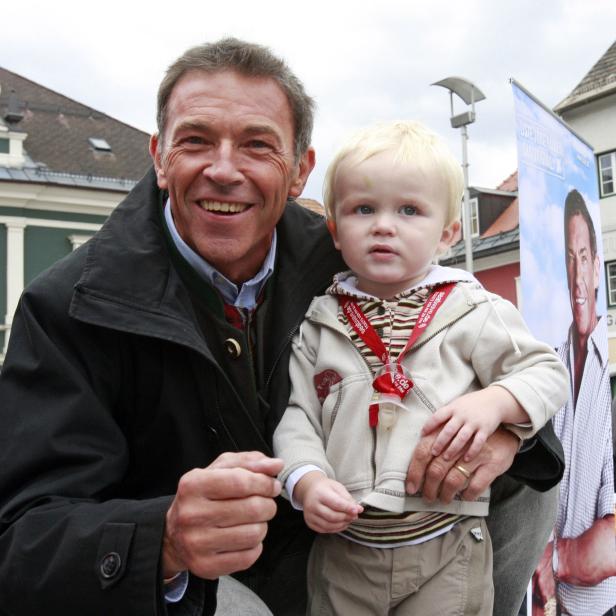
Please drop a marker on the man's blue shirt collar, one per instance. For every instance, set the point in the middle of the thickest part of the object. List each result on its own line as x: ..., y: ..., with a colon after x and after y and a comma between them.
x: 243, y: 297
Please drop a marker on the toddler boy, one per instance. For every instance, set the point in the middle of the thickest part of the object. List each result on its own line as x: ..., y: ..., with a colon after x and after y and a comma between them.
x: 399, y: 347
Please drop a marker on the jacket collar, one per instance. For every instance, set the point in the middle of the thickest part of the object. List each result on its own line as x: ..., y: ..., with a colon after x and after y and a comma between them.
x: 129, y: 284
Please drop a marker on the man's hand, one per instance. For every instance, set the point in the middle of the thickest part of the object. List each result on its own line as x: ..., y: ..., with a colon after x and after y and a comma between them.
x: 218, y: 518
x: 544, y: 586
x: 328, y: 507
x: 589, y: 558
x: 440, y: 479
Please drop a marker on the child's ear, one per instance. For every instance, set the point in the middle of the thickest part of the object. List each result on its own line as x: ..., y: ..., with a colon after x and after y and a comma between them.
x: 449, y: 236
x: 331, y: 225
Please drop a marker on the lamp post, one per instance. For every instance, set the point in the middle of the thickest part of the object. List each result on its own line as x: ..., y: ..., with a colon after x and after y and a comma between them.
x: 470, y: 94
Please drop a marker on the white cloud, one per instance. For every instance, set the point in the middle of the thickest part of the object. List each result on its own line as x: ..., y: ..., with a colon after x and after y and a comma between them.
x: 363, y: 61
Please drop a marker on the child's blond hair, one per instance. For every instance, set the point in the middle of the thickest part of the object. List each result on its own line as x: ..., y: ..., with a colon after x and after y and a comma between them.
x: 410, y: 142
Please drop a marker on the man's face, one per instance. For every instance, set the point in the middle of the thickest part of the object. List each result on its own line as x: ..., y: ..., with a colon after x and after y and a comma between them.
x: 227, y: 161
x: 582, y: 275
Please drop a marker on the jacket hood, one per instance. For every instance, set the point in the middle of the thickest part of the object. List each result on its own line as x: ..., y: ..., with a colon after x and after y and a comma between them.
x: 347, y: 281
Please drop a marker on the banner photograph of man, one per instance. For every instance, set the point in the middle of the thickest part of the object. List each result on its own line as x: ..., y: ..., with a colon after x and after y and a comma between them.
x: 579, y: 564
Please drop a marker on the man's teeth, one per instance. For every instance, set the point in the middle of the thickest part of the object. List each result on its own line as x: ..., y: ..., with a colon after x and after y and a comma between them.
x: 218, y: 206
x: 580, y: 300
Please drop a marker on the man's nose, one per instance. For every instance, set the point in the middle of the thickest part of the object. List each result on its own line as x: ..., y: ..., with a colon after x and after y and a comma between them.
x: 222, y: 168
x: 577, y: 270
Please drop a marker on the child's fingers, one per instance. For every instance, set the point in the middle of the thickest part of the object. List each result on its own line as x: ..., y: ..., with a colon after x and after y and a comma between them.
x: 447, y: 433
x: 458, y: 443
x: 435, y: 420
x: 342, y: 502
x: 476, y: 446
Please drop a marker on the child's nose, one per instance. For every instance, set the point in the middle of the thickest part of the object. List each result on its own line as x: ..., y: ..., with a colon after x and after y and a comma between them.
x: 384, y: 224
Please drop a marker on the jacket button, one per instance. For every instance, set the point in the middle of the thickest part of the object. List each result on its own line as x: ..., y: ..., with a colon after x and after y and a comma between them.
x: 110, y: 565
x: 233, y: 347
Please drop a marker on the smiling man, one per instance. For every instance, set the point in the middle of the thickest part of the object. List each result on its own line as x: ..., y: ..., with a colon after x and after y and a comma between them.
x: 578, y: 567
x: 147, y: 371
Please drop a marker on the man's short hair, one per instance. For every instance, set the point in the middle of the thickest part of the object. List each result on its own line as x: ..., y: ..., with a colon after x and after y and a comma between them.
x: 248, y: 59
x: 576, y: 206
x: 410, y: 142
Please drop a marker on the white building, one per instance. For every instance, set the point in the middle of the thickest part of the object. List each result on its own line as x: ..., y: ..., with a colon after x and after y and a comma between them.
x: 63, y: 168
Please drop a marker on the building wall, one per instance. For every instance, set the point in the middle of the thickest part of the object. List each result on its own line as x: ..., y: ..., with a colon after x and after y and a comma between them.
x: 501, y: 280
x: 43, y: 246
x: 40, y: 224
x: 595, y: 122
x: 3, y: 258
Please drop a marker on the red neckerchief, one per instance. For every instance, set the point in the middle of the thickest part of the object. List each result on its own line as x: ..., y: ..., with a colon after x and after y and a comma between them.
x: 398, y: 385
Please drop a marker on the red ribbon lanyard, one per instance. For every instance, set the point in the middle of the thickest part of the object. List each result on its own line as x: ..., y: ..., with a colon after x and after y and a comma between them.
x: 395, y: 384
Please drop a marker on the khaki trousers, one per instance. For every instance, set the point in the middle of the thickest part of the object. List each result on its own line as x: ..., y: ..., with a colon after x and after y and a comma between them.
x: 450, y: 575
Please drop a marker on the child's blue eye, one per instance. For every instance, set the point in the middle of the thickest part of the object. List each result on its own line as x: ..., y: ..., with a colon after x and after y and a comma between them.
x: 364, y: 209
x: 408, y: 210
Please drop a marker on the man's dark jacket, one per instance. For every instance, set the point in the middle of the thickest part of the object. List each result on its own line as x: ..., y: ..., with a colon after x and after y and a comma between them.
x: 116, y: 382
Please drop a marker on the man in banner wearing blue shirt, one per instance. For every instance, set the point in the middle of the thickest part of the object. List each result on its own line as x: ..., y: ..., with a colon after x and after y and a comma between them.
x: 579, y: 564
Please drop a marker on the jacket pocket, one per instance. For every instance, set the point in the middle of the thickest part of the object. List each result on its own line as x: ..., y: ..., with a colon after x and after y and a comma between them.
x: 348, y: 437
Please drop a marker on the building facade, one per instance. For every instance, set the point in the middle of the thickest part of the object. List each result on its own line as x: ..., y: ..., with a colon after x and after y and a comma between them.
x: 63, y: 168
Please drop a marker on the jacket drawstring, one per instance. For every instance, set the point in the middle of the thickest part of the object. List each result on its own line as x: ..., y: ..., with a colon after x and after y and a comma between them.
x: 514, y: 344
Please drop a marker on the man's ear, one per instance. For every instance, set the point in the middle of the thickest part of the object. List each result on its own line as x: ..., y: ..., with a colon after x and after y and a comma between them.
x: 449, y: 236
x: 303, y: 168
x: 331, y: 225
x: 596, y: 270
x: 155, y: 146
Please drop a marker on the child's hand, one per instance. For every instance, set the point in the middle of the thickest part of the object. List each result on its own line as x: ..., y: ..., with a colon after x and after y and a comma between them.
x: 328, y: 507
x: 470, y: 419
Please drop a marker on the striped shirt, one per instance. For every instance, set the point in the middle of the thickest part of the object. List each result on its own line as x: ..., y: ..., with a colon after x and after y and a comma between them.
x: 587, y: 487
x: 393, y: 320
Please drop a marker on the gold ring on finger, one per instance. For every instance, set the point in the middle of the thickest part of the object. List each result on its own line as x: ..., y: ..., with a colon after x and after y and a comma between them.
x: 465, y: 472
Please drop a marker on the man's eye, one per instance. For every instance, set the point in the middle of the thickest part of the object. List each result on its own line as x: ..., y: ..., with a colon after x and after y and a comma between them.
x: 194, y: 140
x: 258, y: 144
x: 364, y: 209
x: 408, y: 210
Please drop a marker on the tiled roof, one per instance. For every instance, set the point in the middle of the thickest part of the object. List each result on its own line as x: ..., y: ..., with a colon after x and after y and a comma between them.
x: 59, y: 130
x: 510, y: 217
x: 599, y: 81
x: 508, y: 220
x: 502, y: 235
x: 484, y: 246
x: 510, y: 184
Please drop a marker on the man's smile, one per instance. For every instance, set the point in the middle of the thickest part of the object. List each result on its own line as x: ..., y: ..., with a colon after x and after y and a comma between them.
x: 222, y: 207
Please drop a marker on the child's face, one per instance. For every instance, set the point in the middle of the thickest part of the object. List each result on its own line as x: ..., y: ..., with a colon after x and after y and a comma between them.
x: 390, y: 222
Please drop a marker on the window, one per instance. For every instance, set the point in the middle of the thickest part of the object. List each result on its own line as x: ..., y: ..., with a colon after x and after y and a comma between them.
x: 610, y: 275
x: 99, y: 144
x: 4, y: 146
x: 607, y: 173
x: 474, y: 216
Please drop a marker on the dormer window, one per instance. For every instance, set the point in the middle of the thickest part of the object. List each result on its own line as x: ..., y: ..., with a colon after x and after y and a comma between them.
x: 99, y: 144
x: 11, y: 147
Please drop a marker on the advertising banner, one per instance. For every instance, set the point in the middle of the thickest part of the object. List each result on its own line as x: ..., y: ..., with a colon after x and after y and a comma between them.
x: 564, y: 303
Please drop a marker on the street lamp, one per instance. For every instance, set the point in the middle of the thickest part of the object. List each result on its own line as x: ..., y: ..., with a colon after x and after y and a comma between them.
x: 470, y: 94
